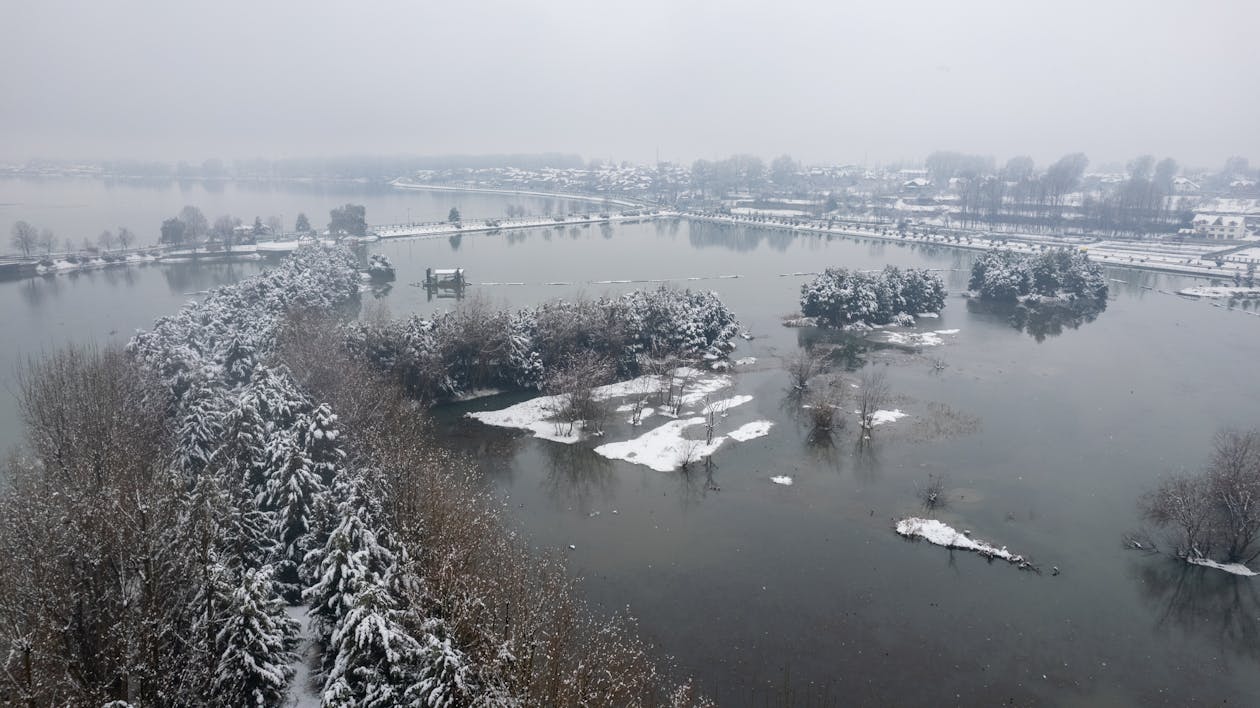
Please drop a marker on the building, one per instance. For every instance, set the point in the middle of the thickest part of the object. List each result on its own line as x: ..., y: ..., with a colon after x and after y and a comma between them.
x: 1218, y: 226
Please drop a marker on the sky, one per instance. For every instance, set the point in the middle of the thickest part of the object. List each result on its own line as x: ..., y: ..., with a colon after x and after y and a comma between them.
x: 826, y: 82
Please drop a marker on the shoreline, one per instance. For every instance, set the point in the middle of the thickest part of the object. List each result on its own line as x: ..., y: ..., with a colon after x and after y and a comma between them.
x: 402, y: 183
x: 21, y: 269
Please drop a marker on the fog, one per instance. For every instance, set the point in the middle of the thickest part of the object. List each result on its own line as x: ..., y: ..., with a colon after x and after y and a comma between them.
x: 824, y: 81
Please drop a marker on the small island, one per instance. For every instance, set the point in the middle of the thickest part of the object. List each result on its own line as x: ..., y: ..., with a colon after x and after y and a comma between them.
x: 1058, y: 274
x: 840, y: 297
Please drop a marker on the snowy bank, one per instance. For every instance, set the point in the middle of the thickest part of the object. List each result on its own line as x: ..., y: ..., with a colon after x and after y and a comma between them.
x: 751, y: 431
x: 1235, y: 568
x: 1219, y: 291
x: 941, y: 534
x: 535, y: 415
x: 664, y: 449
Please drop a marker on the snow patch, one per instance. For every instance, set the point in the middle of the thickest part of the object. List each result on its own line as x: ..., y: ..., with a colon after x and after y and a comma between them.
x: 302, y: 691
x: 941, y: 534
x: 532, y: 415
x: 881, y: 417
x: 662, y: 448
x: 746, y: 361
x: 1219, y: 292
x: 782, y: 479
x: 726, y: 404
x: 749, y: 431
x: 1235, y: 568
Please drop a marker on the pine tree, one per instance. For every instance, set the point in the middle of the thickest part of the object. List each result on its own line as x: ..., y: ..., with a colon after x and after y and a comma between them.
x: 200, y: 428
x: 375, y: 660
x: 257, y: 640
x: 350, y: 559
x: 291, y: 494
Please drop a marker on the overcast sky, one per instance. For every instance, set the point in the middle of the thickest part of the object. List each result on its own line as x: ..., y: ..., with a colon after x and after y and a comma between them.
x: 823, y: 81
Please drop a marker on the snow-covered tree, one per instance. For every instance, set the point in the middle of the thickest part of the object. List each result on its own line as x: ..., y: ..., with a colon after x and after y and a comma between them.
x: 842, y: 297
x: 375, y: 660
x: 291, y: 494
x: 257, y: 640
x: 350, y: 559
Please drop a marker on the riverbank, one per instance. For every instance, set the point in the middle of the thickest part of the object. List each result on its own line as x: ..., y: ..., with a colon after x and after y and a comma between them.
x: 1108, y: 253
x: 403, y: 183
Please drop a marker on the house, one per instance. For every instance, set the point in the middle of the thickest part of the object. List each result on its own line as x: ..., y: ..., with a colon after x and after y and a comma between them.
x: 1218, y: 226
x: 1185, y: 185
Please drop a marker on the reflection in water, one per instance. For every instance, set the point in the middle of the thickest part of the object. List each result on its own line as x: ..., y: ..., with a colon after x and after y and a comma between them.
x: 696, y: 481
x: 456, y: 240
x: 1047, y: 319
x: 36, y: 290
x: 195, y: 277
x: 577, y: 477
x: 843, y: 349
x: 701, y: 234
x: 1204, y: 601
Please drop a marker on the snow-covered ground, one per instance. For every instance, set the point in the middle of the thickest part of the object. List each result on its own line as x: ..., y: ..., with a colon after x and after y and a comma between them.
x: 881, y: 416
x: 302, y: 691
x: 750, y: 431
x: 1235, y: 568
x: 61, y: 265
x: 534, y: 415
x: 1219, y: 291
x: 942, y: 534
x: 664, y: 448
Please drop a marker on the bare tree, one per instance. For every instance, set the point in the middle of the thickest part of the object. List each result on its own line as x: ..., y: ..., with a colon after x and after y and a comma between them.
x: 823, y: 404
x: 803, y: 366
x: 24, y: 237
x: 872, y: 393
x: 574, y: 386
x: 106, y: 240
x: 125, y: 237
x: 1215, y: 513
x: 932, y: 495
x: 47, y: 241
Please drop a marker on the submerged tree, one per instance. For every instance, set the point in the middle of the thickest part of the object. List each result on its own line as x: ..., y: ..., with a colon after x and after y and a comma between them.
x: 1214, y: 514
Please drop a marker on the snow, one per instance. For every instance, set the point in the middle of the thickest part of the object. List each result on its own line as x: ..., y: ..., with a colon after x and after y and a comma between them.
x: 1219, y: 292
x: 782, y: 479
x: 662, y: 448
x: 302, y: 692
x: 941, y: 534
x: 479, y: 393
x: 746, y: 361
x: 920, y: 339
x: 532, y: 415
x: 882, y: 416
x: 644, y: 414
x: 749, y: 431
x: 726, y: 404
x: 1235, y: 568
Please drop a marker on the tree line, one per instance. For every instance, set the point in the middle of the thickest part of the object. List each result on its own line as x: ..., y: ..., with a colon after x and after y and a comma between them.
x: 1006, y: 275
x: 29, y: 240
x: 476, y: 346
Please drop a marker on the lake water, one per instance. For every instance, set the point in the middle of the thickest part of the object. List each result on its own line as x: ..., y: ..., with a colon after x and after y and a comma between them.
x: 772, y: 594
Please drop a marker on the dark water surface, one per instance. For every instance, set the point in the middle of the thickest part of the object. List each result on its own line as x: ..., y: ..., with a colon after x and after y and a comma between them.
x: 1046, y: 440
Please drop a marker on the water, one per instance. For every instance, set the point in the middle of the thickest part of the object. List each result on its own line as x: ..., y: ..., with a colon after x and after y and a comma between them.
x: 757, y: 586
x: 78, y: 208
